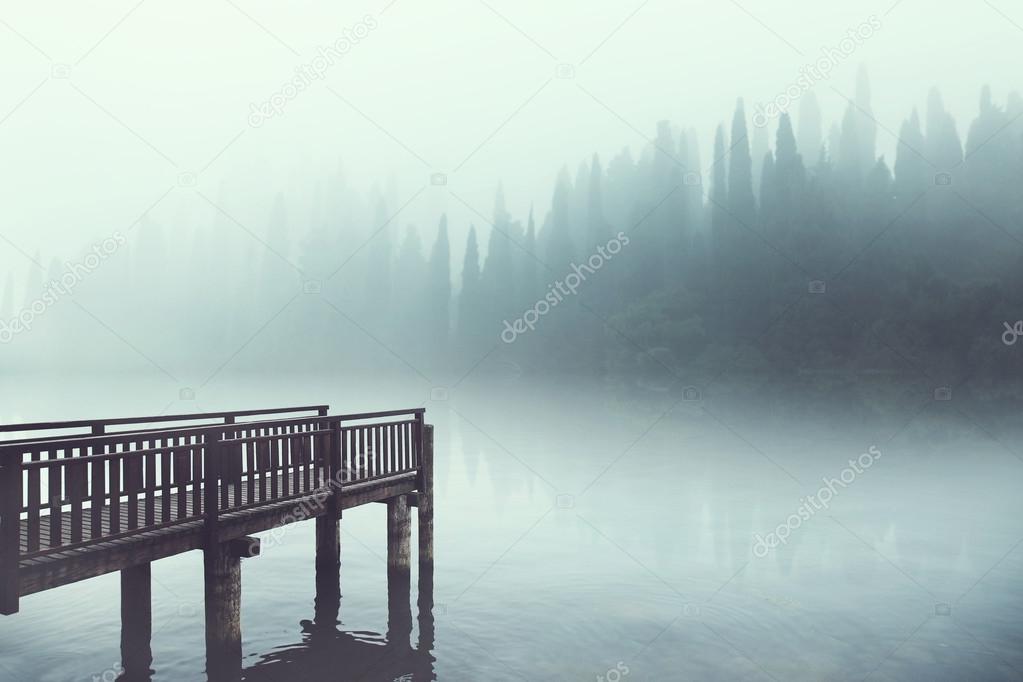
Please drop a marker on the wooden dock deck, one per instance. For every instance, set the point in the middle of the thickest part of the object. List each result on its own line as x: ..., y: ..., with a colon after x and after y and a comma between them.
x: 131, y: 491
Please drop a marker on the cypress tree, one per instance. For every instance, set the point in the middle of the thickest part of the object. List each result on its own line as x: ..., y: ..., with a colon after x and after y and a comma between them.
x: 811, y: 128
x: 911, y: 174
x: 439, y: 290
x: 741, y: 202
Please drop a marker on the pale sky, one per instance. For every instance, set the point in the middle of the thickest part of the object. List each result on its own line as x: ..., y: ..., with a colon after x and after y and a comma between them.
x: 107, y: 104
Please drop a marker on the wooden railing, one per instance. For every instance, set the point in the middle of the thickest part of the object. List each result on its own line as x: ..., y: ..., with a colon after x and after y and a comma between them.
x: 61, y: 493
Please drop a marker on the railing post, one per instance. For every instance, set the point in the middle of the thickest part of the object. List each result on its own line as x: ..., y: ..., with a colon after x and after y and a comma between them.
x: 334, y: 469
x: 419, y: 436
x: 10, y: 531
x: 211, y: 484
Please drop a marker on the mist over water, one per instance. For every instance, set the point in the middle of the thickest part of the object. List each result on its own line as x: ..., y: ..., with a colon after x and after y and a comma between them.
x: 579, y: 529
x: 716, y: 310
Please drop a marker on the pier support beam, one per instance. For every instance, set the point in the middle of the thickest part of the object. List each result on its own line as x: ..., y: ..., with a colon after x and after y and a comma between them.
x: 399, y: 569
x: 328, y: 570
x: 425, y: 506
x: 223, y: 573
x: 399, y: 537
x: 137, y: 622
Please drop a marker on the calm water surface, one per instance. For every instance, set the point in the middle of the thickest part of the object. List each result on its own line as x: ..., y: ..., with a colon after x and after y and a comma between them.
x: 582, y: 536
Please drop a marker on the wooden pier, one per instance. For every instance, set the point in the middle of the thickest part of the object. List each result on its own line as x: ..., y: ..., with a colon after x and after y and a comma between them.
x: 118, y: 494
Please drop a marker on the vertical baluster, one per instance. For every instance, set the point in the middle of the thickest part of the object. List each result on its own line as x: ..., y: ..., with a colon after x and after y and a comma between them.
x: 76, y: 488
x: 381, y: 448
x: 250, y: 461
x: 285, y: 447
x: 264, y: 465
x: 371, y: 455
x: 166, y: 457
x: 237, y: 460
x: 56, y: 481
x: 196, y: 478
x: 274, y: 470
x: 307, y: 459
x: 343, y: 443
x: 132, y: 482
x: 224, y: 466
x: 399, y: 429
x: 182, y: 466
x: 99, y: 488
x: 33, y: 503
x: 367, y: 447
x: 114, y: 467
x: 149, y: 488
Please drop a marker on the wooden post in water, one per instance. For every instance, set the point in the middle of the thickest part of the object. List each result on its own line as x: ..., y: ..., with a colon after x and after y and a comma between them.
x: 223, y: 574
x: 425, y: 506
x: 137, y: 621
x: 328, y: 525
x: 399, y: 537
x: 399, y: 569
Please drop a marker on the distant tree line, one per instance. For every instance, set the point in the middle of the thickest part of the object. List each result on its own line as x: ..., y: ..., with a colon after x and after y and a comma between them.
x: 802, y: 255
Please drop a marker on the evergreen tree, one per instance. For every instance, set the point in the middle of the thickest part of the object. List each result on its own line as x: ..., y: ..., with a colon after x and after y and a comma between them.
x: 498, y: 269
x: 811, y: 128
x: 719, y: 196
x: 438, y: 292
x: 527, y: 282
x: 471, y: 301
x: 559, y: 249
x: 759, y: 150
x: 741, y: 203
x: 378, y: 271
x: 911, y: 174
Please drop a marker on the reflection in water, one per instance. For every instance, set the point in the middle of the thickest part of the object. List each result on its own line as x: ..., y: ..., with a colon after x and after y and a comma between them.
x: 327, y: 652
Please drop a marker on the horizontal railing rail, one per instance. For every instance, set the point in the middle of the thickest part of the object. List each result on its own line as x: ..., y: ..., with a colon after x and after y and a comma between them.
x: 99, y: 426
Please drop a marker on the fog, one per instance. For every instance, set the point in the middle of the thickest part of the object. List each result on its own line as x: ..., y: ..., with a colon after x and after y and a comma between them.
x: 466, y: 88
x: 716, y: 308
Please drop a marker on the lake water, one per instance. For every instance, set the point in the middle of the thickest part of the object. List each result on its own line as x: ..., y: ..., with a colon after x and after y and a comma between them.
x: 582, y: 535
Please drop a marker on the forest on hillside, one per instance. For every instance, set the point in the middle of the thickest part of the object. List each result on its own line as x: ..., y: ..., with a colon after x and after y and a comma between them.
x: 802, y: 253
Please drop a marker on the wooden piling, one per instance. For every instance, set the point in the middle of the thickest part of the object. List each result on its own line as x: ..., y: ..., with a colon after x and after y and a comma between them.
x: 223, y: 575
x: 425, y: 503
x: 137, y: 621
x: 399, y: 537
x: 328, y: 559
